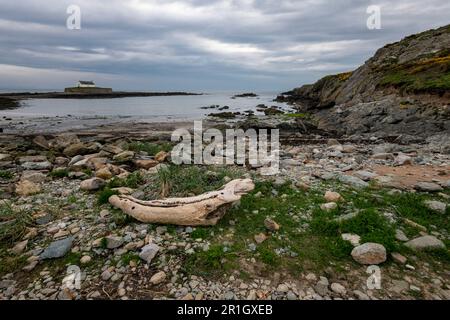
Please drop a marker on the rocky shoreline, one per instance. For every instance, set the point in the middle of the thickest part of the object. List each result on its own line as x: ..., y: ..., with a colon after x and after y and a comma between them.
x: 337, y: 206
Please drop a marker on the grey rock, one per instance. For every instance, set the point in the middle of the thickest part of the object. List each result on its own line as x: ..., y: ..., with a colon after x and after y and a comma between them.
x: 106, y: 275
x: 45, y: 165
x: 47, y: 218
x: 148, y: 252
x: 369, y: 254
x: 436, y: 206
x: 361, y: 295
x: 346, y: 217
x: 365, y: 175
x: 353, y: 181
x: 34, y: 176
x: 57, y: 249
x: 401, y: 236
x: 113, y: 242
x: 338, y: 288
x: 428, y: 187
x: 322, y: 286
x: 424, y: 243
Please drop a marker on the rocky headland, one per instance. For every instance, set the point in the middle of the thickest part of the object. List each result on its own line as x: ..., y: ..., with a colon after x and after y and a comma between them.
x: 403, y: 89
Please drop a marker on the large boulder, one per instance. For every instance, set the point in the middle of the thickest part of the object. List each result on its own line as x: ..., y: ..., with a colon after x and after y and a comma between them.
x: 369, y: 253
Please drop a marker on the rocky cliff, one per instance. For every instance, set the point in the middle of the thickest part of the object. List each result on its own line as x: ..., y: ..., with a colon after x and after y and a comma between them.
x: 403, y: 89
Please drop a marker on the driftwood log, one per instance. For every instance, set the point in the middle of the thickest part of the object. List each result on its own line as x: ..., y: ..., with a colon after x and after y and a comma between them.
x: 202, y: 210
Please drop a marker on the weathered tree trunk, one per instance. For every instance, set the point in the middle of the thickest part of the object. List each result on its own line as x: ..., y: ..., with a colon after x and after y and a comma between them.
x: 203, y: 210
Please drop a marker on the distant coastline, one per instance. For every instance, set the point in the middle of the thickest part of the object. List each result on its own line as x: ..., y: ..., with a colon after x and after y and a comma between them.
x: 10, y: 100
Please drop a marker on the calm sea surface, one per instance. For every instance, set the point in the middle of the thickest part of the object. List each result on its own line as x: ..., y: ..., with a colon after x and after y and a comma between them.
x: 148, y: 108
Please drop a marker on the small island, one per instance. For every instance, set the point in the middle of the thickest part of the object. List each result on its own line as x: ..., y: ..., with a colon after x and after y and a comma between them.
x: 88, y: 87
x: 83, y: 90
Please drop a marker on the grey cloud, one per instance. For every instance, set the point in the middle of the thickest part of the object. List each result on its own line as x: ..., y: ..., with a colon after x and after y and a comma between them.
x: 198, y: 44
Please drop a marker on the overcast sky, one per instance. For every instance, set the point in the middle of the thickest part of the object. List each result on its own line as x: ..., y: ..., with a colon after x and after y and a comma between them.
x: 198, y: 45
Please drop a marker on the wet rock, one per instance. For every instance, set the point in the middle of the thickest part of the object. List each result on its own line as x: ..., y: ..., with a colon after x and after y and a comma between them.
x: 369, y: 254
x: 26, y: 188
x: 428, y: 187
x: 57, y: 249
x: 436, y: 206
x: 424, y: 243
x: 148, y: 252
x: 92, y: 184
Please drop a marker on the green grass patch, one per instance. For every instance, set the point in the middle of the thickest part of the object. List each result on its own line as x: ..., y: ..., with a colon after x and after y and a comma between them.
x: 200, y: 233
x: 6, y: 175
x: 103, y: 196
x: 183, y: 181
x: 214, y: 261
x: 150, y: 148
x: 133, y: 180
x: 128, y: 257
x: 13, y: 223
x: 59, y: 173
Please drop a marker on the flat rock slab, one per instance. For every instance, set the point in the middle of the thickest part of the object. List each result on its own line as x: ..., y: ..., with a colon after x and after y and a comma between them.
x: 57, y: 249
x: 428, y: 187
x: 424, y: 243
x: 355, y: 182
